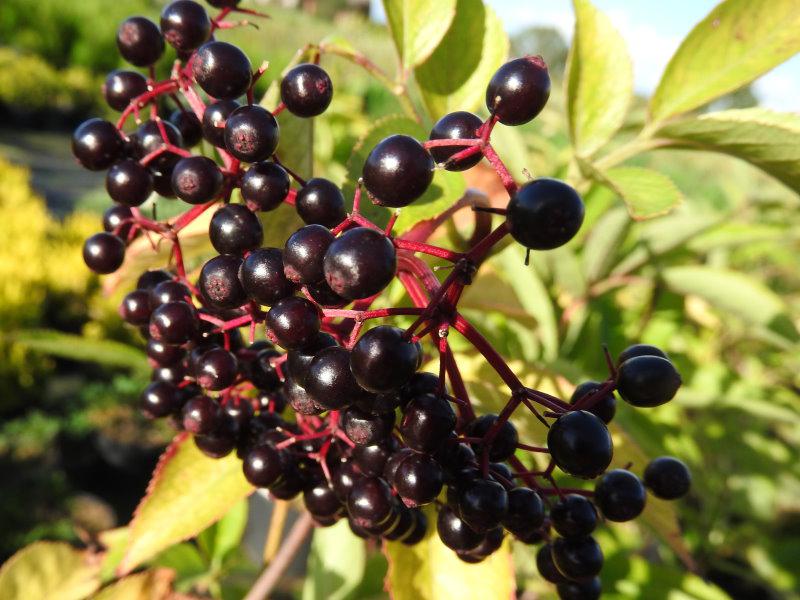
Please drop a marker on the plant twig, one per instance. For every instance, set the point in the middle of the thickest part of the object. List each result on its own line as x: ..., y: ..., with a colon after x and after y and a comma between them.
x: 276, y: 524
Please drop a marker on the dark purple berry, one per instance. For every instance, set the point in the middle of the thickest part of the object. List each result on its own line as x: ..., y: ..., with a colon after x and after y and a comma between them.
x: 261, y: 372
x: 383, y: 359
x: 159, y: 399
x: 262, y: 276
x: 214, y: 118
x: 264, y: 186
x: 201, y: 415
x: 164, y: 355
x: 343, y: 476
x: 605, y: 408
x: 139, y: 41
x: 360, y: 263
x: 504, y: 442
x: 578, y: 559
x: 97, y: 144
x: 454, y: 532
x: 573, y: 516
x: 222, y: 70
x: 640, y: 350
x: 364, y: 428
x: 321, y: 501
x: 304, y: 253
x: 322, y: 294
x: 103, y: 253
x: 483, y: 504
x: 197, y: 179
x: 150, y: 279
x: 235, y: 229
x: 580, y: 444
x: 185, y: 25
x: 418, y: 480
x: 580, y: 590
x: 219, y: 282
x: 306, y: 90
x: 546, y: 567
x: 370, y: 501
x: 293, y: 322
x: 262, y: 466
x: 544, y: 214
x: 173, y: 323
x: 129, y: 183
x: 251, y: 133
x: 427, y: 422
x: 518, y: 90
x: 299, y: 360
x: 330, y: 382
x: 121, y: 87
x: 371, y: 460
x: 525, y: 511
x: 114, y: 220
x: 320, y: 202
x: 300, y: 400
x: 620, y: 495
x: 135, y: 308
x: 216, y: 369
x: 667, y: 478
x: 149, y: 139
x: 647, y: 381
x: 459, y: 125
x: 168, y: 291
x: 189, y: 126
x: 397, y: 171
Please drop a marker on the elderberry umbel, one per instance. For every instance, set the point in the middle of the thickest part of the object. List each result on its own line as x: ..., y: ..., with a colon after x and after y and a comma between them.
x: 265, y: 351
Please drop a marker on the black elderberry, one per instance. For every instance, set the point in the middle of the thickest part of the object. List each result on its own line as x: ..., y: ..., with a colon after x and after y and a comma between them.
x: 578, y: 558
x: 135, y: 308
x: 454, y: 532
x: 264, y: 186
x: 103, y: 253
x: 234, y: 229
x: 222, y: 70
x: 667, y: 478
x: 580, y: 444
x: 640, y: 350
x: 329, y: 380
x: 397, y: 171
x: 544, y: 214
x: 197, y: 179
x: 262, y: 466
x: 185, y: 25
x: 251, y: 133
x: 371, y: 459
x: 605, y: 408
x: 299, y: 360
x: 427, y: 421
x: 139, y: 41
x: 300, y: 400
x: 168, y: 291
x: 159, y: 399
x: 525, y: 511
x: 580, y: 590
x: 173, y: 323
x: 418, y: 480
x: 459, y: 125
x: 647, y: 381
x: 219, y: 282
x: 121, y: 87
x: 117, y: 220
x: 201, y: 415
x: 382, y: 360
x: 370, y: 501
x: 216, y: 369
x: 214, y: 118
x: 504, y: 443
x: 483, y: 504
x: 321, y: 501
x: 150, y: 279
x: 320, y: 202
x: 304, y: 252
x: 162, y: 354
x: 360, y: 263
x: 620, y: 495
x: 573, y: 516
x: 518, y: 90
x: 364, y: 428
x: 545, y: 565
x: 188, y: 125
x: 306, y: 90
x: 262, y: 276
x: 129, y: 183
x: 293, y: 322
x: 149, y: 139
x: 97, y: 144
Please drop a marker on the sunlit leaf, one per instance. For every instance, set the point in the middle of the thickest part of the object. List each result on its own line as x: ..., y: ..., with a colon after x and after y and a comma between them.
x: 646, y: 192
x: 417, y: 27
x: 153, y: 584
x: 46, y: 570
x: 336, y: 563
x: 603, y: 241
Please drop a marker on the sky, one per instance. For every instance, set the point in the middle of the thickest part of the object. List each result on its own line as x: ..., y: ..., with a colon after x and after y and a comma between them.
x: 653, y: 30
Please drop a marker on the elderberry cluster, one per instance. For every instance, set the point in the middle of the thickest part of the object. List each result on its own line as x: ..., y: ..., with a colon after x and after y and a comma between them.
x: 323, y: 407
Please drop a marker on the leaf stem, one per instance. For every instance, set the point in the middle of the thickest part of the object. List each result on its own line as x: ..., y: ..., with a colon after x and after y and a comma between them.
x: 272, y: 574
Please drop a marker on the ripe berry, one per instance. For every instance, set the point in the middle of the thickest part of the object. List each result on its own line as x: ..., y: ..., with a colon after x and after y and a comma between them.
x: 262, y: 276
x: 150, y: 279
x: 260, y: 371
x: 321, y: 501
x: 454, y: 532
x: 426, y: 423
x: 647, y: 381
x: 459, y: 125
x: 197, y: 179
x: 304, y: 252
x: 370, y: 501
x: 114, y: 220
x: 189, y: 126
x: 580, y: 590
x: 371, y: 460
x: 121, y: 87
x: 168, y: 291
x: 492, y: 540
x: 573, y: 516
x: 262, y: 466
x: 135, y: 308
x: 525, y: 511
x: 545, y: 565
x: 360, y: 263
x: 216, y: 445
x: 103, y: 253
x: 620, y: 495
x: 483, y: 504
x: 159, y: 399
x: 397, y: 171
x: 504, y: 443
x: 173, y: 323
x: 605, y: 408
x: 129, y: 183
x: 364, y: 428
x: 544, y: 214
x: 96, y: 144
x: 403, y: 528
x: 343, y: 476
x: 330, y: 381
x: 164, y: 355
x: 216, y: 369
x: 667, y: 478
x: 219, y: 282
x: 162, y: 183
x: 222, y: 70
x: 223, y: 3
x: 185, y: 25
x: 322, y: 294
x: 264, y: 186
x: 393, y: 462
x: 214, y: 118
x: 300, y: 400
x: 578, y: 558
x: 306, y: 90
x: 201, y: 414
x: 149, y: 139
x: 640, y: 350
x: 418, y: 480
x: 518, y: 90
x: 383, y: 360
x: 320, y: 202
x: 580, y: 444
x: 139, y: 41
x: 299, y: 360
x: 293, y: 322
x: 234, y: 229
x: 251, y: 133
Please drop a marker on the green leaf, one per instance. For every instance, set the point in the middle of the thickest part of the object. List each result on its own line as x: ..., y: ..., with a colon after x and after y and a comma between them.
x: 185, y: 559
x: 229, y: 531
x: 153, y: 584
x: 454, y: 77
x: 602, y: 243
x: 417, y: 27
x: 115, y: 542
x: 47, y: 570
x: 336, y: 563
x: 769, y: 140
x: 599, y: 81
x: 737, y: 42
x: 431, y: 571
x: 188, y: 492
x: 647, y: 193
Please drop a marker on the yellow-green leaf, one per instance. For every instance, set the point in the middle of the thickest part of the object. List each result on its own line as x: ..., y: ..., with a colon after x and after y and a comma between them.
x: 153, y: 584
x: 769, y: 140
x: 47, y: 571
x: 336, y: 563
x: 454, y: 77
x: 188, y: 492
x: 737, y: 42
x: 417, y: 27
x: 431, y: 571
x: 647, y: 193
x: 599, y: 82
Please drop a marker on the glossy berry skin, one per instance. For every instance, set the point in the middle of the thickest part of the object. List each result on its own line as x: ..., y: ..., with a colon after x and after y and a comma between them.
x: 360, y: 263
x: 525, y: 511
x: 189, y: 126
x: 640, y: 350
x: 483, y: 504
x: 306, y: 90
x: 580, y: 590
x: 222, y: 70
x: 159, y: 399
x: 299, y: 360
x: 397, y: 171
x: 322, y: 294
x: 129, y: 183
x: 185, y: 25
x: 168, y: 291
x: 135, y: 308
x: 454, y: 532
x: 519, y: 90
x: 96, y: 144
x: 216, y: 369
x: 546, y: 567
x: 320, y: 202
x: 492, y: 540
x: 262, y: 276
x: 667, y: 478
x: 235, y: 229
x: 149, y: 139
x: 264, y: 186
x: 139, y: 41
x: 647, y: 381
x: 121, y: 87
x: 197, y: 179
x: 164, y: 355
x: 573, y: 516
x: 371, y: 460
x: 332, y: 385
x: 219, y: 282
x: 321, y: 501
x: 370, y: 501
x: 251, y: 133
x: 114, y: 220
x: 261, y: 372
x: 382, y: 360
x: 459, y: 125
x: 262, y: 466
x: 580, y: 444
x: 304, y: 252
x: 151, y: 278
x: 293, y: 322
x: 579, y: 558
x: 201, y: 415
x: 605, y: 408
x: 418, y: 480
x: 223, y: 3
x: 300, y: 400
x: 544, y: 214
x: 620, y: 495
x: 103, y: 253
x: 214, y: 118
x: 364, y: 428
x: 343, y: 476
x: 173, y: 323
x: 504, y: 443
x: 426, y: 423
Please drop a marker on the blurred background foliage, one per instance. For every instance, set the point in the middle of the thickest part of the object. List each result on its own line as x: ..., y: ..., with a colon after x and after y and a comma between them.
x: 715, y: 284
